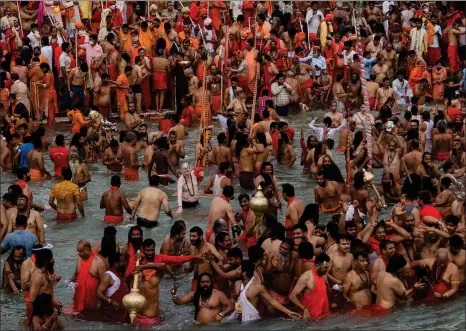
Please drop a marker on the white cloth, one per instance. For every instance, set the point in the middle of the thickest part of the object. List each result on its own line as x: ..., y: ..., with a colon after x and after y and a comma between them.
x: 236, y: 7
x: 64, y: 61
x: 217, y: 190
x: 116, y: 284
x: 350, y: 213
x: 35, y: 42
x: 47, y: 51
x: 223, y: 121
x: 407, y: 15
x: 417, y: 39
x: 248, y: 313
x: 437, y: 29
x: 402, y: 89
x: 462, y: 38
x: 313, y: 19
x: 348, y: 57
x: 330, y: 132
x: 121, y: 5
x: 429, y: 125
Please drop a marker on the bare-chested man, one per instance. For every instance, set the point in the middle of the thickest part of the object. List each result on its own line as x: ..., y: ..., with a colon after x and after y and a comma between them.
x: 76, y: 84
x: 132, y: 119
x: 178, y: 128
x: 391, y: 59
x: 221, y: 152
x: 340, y: 261
x: 6, y: 161
x: 160, y: 69
x: 90, y: 270
x: 357, y: 282
x: 387, y: 250
x: 199, y: 247
x: 457, y: 255
x: 392, y: 161
x: 294, y: 210
x: 391, y: 284
x: 114, y: 201
x: 81, y: 175
x: 220, y: 208
x: 380, y: 70
x: 445, y: 198
x: 102, y: 96
x: 384, y: 93
x: 112, y: 157
x: 176, y: 151
x: 413, y: 158
x: 130, y: 157
x: 36, y: 161
x: 442, y: 143
x: 246, y: 148
x: 213, y: 304
x: 327, y: 194
x: 151, y: 199
x: 35, y: 223
x: 336, y: 117
x: 174, y: 243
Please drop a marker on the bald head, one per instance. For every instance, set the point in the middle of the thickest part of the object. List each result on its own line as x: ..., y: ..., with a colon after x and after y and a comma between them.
x: 442, y: 255
x: 84, y: 249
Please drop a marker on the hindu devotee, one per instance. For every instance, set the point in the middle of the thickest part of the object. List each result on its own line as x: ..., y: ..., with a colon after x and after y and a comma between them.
x: 207, y: 98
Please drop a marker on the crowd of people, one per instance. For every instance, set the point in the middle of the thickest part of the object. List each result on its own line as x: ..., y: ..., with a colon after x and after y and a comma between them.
x: 390, y: 76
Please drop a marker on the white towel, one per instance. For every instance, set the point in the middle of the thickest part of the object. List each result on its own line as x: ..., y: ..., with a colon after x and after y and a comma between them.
x: 248, y: 311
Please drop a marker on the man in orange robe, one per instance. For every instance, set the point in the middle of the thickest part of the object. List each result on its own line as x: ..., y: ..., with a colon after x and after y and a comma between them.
x: 416, y: 74
x: 77, y: 119
x: 50, y: 100
x: 89, y: 270
x: 122, y: 90
x: 250, y: 57
x: 146, y: 38
x: 439, y: 76
x: 214, y: 13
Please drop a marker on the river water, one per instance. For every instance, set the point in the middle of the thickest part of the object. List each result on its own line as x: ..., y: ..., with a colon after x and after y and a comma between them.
x: 443, y: 315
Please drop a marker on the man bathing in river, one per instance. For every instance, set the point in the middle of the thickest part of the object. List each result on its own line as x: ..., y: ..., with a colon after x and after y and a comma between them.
x: 151, y: 199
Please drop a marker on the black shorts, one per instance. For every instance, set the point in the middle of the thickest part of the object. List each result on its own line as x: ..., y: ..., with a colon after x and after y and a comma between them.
x: 189, y: 204
x: 144, y: 222
x: 136, y: 88
x: 282, y: 110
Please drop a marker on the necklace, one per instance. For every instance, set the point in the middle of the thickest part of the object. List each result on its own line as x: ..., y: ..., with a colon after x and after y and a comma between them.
x: 192, y: 184
x: 365, y: 282
x: 202, y: 304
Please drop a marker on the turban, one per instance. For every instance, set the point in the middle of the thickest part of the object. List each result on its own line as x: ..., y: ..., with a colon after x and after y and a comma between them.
x: 300, y: 36
x: 79, y: 25
x: 207, y: 21
x: 329, y: 17
x: 185, y: 10
x: 199, y: 173
x: 239, y: 54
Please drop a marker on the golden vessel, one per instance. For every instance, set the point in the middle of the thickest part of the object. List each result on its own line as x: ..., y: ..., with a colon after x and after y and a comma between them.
x: 134, y: 302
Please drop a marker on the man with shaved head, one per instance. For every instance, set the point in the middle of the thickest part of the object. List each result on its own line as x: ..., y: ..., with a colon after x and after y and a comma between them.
x: 444, y: 274
x: 90, y: 270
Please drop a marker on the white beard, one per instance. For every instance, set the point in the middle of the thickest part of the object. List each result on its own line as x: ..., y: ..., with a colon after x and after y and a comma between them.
x: 74, y: 166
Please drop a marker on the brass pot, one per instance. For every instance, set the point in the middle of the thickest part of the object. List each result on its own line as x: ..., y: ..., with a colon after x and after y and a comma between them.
x: 259, y: 203
x: 134, y: 302
x: 368, y: 177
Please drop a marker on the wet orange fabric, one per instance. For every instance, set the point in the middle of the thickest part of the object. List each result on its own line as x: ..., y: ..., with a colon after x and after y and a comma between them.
x: 36, y: 174
x: 250, y: 59
x: 112, y: 219
x: 146, y: 39
x: 122, y: 103
x: 131, y: 174
x: 316, y: 301
x: 77, y: 120
x: 415, y: 77
x: 131, y: 261
x: 85, y: 296
x: 214, y: 13
x: 126, y: 42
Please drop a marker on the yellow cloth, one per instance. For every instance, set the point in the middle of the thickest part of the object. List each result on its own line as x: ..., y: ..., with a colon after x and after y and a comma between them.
x: 86, y: 9
x: 65, y: 189
x: 430, y: 33
x: 323, y: 33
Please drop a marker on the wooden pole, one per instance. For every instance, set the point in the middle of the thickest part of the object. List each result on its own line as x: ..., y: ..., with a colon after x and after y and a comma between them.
x: 19, y: 17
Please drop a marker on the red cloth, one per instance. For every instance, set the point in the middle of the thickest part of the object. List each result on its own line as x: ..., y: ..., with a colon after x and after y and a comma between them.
x: 59, y: 156
x: 454, y: 112
x: 208, y: 234
x: 371, y: 102
x: 85, y: 296
x: 187, y: 116
x: 111, y: 219
x: 453, y: 58
x: 165, y: 125
x: 429, y: 210
x: 442, y: 156
x: 316, y: 301
x: 375, y: 244
x: 275, y: 140
x: 373, y: 310
x: 131, y: 261
x: 131, y: 174
x: 169, y: 259
x: 145, y: 89
x: 65, y: 217
x: 147, y: 321
x: 120, y: 315
x: 217, y: 102
x: 112, y: 71
x: 433, y: 55
x: 159, y: 80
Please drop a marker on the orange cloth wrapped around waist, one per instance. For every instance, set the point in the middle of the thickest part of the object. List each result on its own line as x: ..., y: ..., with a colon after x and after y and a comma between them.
x: 330, y: 210
x: 112, y: 72
x: 143, y: 320
x: 217, y: 102
x: 341, y: 149
x: 131, y: 174
x: 371, y: 102
x: 159, y: 80
x: 65, y: 217
x: 36, y: 174
x: 441, y: 156
x: 281, y: 299
x: 199, y: 109
x: 76, y: 128
x: 112, y: 219
x: 373, y: 310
